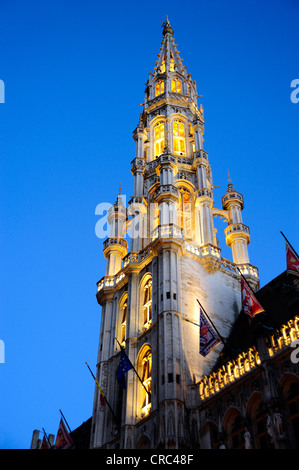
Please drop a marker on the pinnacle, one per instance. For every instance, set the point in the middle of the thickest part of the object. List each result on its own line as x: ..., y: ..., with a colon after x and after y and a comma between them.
x: 230, y: 187
x: 168, y: 58
x: 119, y: 200
x: 167, y: 28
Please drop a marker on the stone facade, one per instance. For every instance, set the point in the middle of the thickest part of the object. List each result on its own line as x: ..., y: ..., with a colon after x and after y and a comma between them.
x: 250, y: 399
x: 150, y: 291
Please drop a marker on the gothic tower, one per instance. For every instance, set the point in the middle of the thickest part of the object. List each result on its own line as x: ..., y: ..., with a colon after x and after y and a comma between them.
x: 150, y: 290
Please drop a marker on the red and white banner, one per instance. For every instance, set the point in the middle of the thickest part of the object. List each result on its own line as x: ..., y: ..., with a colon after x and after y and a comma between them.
x: 63, y: 439
x: 250, y: 304
x: 292, y: 261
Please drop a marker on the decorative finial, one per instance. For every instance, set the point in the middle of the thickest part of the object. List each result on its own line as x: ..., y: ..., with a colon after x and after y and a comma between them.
x: 119, y: 200
x: 167, y: 28
x: 230, y: 187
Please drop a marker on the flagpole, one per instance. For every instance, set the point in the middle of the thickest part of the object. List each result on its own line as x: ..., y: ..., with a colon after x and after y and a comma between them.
x: 212, y: 324
x: 108, y: 404
x: 149, y: 394
x: 47, y: 438
x: 289, y: 244
x: 65, y: 420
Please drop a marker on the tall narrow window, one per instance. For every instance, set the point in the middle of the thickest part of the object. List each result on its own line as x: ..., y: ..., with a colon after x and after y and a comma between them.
x: 171, y: 68
x: 159, y: 135
x: 146, y: 378
x: 262, y: 438
x: 147, y: 304
x: 124, y: 308
x: 176, y: 85
x: 162, y: 68
x: 179, y: 146
x: 159, y: 87
x: 184, y: 213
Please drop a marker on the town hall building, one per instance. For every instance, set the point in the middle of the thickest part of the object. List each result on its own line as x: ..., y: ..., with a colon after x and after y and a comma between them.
x: 159, y: 281
x: 154, y: 287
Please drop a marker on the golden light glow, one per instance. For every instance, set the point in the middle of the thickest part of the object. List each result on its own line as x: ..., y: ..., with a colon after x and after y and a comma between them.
x: 248, y: 360
x: 147, y: 304
x: 159, y: 137
x: 179, y: 146
x: 160, y: 87
x: 184, y: 212
x: 146, y: 377
x: 176, y: 85
x: 124, y: 323
x: 171, y: 64
x: 288, y: 333
x: 162, y: 68
x: 228, y: 373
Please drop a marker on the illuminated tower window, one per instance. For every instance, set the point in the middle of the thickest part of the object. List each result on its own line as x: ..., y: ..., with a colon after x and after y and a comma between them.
x: 146, y: 378
x: 184, y: 212
x: 147, y: 304
x: 159, y: 135
x: 162, y: 68
x: 171, y: 64
x: 179, y: 146
x: 159, y: 87
x: 176, y: 85
x: 124, y: 309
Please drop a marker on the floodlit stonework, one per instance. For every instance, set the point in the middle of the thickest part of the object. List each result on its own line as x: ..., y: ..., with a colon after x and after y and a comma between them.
x: 150, y: 292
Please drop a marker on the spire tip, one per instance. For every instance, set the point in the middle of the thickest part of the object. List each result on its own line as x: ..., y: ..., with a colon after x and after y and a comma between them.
x: 166, y: 27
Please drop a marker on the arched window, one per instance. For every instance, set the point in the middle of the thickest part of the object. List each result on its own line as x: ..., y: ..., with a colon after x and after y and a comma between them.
x: 147, y: 304
x: 159, y: 87
x: 176, y: 85
x: 262, y: 438
x: 146, y: 379
x: 159, y: 136
x: 179, y: 146
x: 123, y: 315
x: 184, y: 212
x: 162, y: 68
x: 209, y: 436
x: 237, y: 433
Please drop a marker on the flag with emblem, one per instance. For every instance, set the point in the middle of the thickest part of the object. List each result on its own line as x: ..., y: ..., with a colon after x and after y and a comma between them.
x: 124, y: 366
x: 250, y: 304
x: 292, y: 260
x: 208, y: 336
x: 63, y: 439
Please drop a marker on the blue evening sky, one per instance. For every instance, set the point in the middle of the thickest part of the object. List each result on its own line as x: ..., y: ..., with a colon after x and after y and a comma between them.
x: 74, y: 74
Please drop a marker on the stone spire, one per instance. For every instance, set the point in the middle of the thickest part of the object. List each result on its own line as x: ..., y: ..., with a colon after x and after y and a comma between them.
x: 169, y: 59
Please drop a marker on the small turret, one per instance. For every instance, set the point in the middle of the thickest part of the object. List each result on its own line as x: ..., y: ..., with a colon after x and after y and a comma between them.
x: 236, y: 234
x: 115, y: 247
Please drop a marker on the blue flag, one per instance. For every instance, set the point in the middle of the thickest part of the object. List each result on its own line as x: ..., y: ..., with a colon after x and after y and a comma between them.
x: 124, y: 366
